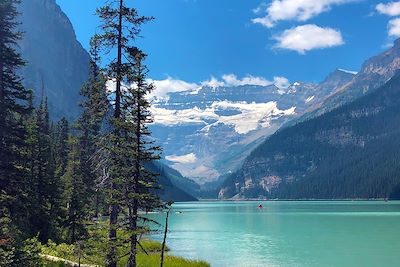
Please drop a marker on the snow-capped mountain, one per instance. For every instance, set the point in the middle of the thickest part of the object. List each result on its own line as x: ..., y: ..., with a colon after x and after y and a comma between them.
x: 207, y: 132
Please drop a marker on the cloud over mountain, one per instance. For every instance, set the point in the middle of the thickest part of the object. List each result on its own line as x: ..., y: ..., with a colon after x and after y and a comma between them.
x: 308, y: 37
x: 394, y: 27
x: 170, y: 85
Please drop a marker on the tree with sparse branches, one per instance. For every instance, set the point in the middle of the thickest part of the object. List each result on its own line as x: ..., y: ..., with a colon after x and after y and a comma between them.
x: 127, y: 146
x: 143, y: 183
x: 95, y: 107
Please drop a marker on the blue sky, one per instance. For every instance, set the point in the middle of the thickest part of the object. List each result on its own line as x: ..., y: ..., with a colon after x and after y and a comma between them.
x: 301, y: 40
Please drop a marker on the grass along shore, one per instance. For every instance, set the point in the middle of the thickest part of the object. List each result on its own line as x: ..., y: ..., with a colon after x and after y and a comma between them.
x: 92, y: 251
x: 94, y: 258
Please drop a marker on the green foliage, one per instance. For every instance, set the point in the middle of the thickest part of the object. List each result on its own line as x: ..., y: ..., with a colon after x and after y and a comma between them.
x: 64, y: 251
x: 170, y: 261
x: 44, y: 185
x: 126, y: 146
x: 16, y: 254
x: 14, y: 178
x: 61, y: 146
x: 55, y: 178
x: 95, y: 106
x: 13, y: 107
x: 47, y: 263
x: 74, y: 194
x: 91, y: 256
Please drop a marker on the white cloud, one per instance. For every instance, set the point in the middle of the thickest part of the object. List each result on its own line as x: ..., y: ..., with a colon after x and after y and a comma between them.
x: 261, y: 8
x: 281, y: 82
x: 390, y: 9
x: 185, y: 159
x: 232, y: 80
x: 308, y: 37
x: 213, y: 82
x: 299, y: 10
x: 394, y: 27
x: 169, y: 85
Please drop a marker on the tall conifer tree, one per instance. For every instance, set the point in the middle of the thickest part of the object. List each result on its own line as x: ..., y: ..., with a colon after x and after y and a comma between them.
x: 142, y: 183
x: 13, y: 107
x: 61, y: 146
x: 95, y: 106
x: 126, y: 144
x: 74, y: 194
x: 48, y: 192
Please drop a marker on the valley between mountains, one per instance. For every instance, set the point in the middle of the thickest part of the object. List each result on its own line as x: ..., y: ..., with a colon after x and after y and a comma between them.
x: 228, y: 141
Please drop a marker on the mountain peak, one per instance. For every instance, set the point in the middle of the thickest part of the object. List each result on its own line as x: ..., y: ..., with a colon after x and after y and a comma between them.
x: 338, y: 76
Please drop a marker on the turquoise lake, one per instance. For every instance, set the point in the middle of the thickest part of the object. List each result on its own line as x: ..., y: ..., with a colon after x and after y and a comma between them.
x: 286, y: 233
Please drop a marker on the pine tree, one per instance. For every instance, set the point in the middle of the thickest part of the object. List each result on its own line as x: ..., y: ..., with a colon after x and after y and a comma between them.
x: 13, y: 173
x: 46, y: 221
x: 74, y: 194
x: 143, y: 183
x: 94, y: 106
x: 32, y: 167
x: 61, y: 147
x: 125, y: 148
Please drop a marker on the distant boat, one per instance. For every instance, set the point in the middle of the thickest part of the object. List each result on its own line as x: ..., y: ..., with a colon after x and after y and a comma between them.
x: 260, y: 206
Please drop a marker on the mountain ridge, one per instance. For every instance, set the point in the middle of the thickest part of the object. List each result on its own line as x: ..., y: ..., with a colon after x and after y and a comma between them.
x: 207, y: 132
x: 349, y: 152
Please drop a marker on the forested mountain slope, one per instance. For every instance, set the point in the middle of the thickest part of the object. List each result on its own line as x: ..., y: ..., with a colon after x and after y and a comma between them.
x: 350, y: 152
x: 174, y: 187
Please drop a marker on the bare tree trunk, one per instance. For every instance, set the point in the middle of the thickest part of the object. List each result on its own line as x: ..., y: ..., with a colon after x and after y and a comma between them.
x: 112, y: 235
x: 164, y: 239
x: 132, y: 255
x: 133, y: 252
x: 96, y: 204
x: 112, y: 255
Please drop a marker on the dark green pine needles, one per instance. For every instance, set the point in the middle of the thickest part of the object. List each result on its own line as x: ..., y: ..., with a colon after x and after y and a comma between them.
x: 127, y: 145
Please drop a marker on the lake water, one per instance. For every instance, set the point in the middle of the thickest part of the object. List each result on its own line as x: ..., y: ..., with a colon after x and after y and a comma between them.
x: 292, y: 233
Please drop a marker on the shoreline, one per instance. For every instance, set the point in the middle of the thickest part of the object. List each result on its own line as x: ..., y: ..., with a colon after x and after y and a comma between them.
x: 288, y: 200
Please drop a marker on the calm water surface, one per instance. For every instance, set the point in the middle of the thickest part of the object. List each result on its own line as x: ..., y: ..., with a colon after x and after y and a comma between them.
x: 309, y: 233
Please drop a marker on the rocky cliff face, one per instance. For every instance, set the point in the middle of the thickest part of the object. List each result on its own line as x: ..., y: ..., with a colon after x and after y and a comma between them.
x: 57, y: 64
